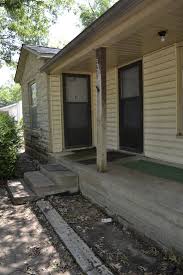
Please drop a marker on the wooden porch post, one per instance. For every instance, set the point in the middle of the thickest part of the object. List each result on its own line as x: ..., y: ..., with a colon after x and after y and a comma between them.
x: 101, y: 109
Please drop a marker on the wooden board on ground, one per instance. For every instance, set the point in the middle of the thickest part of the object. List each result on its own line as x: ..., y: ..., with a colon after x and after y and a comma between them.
x: 83, y: 255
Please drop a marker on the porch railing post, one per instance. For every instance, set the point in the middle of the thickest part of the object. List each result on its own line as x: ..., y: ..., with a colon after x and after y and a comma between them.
x: 101, y: 109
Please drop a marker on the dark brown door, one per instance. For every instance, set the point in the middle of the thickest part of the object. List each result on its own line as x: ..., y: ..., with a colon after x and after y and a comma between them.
x: 131, y: 107
x: 77, y: 110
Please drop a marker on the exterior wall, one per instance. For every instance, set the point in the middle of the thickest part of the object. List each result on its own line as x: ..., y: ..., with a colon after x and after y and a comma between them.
x: 160, y: 105
x: 36, y: 141
x: 112, y: 109
x: 56, y: 113
x: 160, y: 108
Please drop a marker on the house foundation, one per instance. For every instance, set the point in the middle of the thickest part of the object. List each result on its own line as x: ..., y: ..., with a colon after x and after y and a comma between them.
x: 149, y: 204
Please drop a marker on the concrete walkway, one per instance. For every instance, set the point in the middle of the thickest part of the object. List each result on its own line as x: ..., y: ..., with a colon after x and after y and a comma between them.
x: 25, y: 248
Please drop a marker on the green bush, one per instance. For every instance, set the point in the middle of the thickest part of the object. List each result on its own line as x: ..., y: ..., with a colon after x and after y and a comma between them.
x: 9, y: 145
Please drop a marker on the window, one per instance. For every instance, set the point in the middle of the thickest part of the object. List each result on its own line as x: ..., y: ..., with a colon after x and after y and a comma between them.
x: 33, y: 104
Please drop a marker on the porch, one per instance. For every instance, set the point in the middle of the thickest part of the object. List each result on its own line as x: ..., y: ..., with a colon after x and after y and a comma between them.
x: 139, y: 110
x: 150, y: 204
x: 127, y: 37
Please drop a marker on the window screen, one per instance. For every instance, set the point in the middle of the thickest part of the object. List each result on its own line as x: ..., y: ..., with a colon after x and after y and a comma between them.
x: 130, y: 82
x: 77, y: 89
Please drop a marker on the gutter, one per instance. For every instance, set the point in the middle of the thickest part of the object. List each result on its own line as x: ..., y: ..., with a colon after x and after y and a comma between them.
x: 121, y: 8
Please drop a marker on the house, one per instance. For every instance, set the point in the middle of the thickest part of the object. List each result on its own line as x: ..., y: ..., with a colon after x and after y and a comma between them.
x: 118, y: 86
x: 14, y: 110
x: 35, y: 99
x: 133, y: 50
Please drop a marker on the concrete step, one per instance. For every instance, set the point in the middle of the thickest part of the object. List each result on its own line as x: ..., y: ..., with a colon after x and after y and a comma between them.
x: 64, y: 178
x: 19, y: 192
x: 40, y: 184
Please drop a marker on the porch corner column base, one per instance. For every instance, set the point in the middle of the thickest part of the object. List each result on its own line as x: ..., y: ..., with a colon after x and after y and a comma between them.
x: 101, y: 168
x: 101, y: 109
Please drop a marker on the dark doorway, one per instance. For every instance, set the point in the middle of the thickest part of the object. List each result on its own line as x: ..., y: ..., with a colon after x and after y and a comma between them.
x: 77, y: 110
x: 131, y: 107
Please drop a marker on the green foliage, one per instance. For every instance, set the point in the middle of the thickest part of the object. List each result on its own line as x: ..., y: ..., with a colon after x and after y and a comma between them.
x: 20, y: 127
x: 10, y: 95
x: 9, y: 145
x: 26, y: 21
x: 91, y: 11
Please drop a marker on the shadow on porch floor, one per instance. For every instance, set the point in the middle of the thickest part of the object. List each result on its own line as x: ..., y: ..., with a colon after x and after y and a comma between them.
x: 88, y: 156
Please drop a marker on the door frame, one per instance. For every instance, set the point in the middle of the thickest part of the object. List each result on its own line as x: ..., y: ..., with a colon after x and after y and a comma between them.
x: 88, y: 76
x: 138, y: 62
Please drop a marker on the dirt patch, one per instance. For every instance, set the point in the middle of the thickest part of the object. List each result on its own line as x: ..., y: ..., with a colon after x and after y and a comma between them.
x: 28, y: 248
x: 68, y: 263
x: 121, y: 249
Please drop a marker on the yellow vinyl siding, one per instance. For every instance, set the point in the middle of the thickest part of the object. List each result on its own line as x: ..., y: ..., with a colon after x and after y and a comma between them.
x: 56, y: 125
x: 112, y: 109
x: 160, y: 126
x: 31, y: 73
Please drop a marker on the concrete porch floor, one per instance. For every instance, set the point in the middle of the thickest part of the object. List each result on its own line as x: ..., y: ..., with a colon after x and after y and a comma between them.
x: 151, y: 205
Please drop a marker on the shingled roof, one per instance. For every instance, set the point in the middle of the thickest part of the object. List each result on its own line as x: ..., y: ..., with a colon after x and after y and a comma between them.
x: 39, y: 51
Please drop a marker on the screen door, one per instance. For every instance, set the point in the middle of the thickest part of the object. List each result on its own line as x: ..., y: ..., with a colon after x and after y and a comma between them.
x: 77, y: 111
x: 131, y: 107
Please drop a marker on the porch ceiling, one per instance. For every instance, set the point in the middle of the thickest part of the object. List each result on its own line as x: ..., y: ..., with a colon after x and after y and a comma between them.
x: 137, y: 40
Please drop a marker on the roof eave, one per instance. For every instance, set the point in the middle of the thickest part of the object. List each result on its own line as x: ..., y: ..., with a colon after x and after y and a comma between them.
x: 114, y: 12
x: 17, y: 77
x: 23, y: 53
